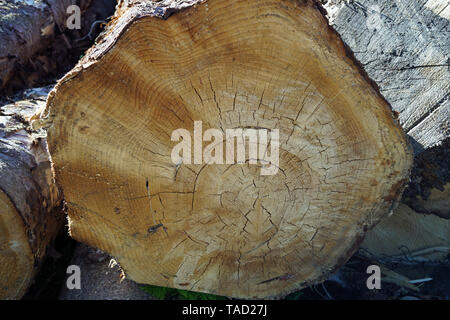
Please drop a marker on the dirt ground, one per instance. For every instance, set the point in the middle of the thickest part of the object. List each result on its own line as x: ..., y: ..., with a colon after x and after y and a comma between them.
x: 102, y: 279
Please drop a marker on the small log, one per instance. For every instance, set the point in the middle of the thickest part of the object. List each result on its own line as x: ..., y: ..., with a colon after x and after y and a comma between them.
x: 30, y: 203
x: 403, y: 46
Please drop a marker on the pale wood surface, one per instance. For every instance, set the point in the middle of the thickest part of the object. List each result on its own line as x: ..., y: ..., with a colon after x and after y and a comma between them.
x: 404, y: 46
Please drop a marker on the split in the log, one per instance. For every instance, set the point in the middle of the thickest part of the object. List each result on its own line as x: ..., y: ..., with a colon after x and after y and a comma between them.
x: 224, y: 228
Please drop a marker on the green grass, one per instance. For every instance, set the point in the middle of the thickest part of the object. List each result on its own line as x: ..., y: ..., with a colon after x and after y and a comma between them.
x: 295, y: 296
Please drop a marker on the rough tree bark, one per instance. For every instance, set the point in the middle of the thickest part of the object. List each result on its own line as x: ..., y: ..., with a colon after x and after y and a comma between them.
x: 35, y: 44
x: 224, y: 229
x: 29, y: 198
x: 27, y: 28
x: 404, y: 45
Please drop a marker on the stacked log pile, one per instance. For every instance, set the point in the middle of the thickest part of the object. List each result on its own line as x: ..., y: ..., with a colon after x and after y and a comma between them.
x: 332, y: 86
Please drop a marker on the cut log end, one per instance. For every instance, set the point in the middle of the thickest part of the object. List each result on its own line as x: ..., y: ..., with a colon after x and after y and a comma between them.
x: 225, y: 229
x: 16, y: 257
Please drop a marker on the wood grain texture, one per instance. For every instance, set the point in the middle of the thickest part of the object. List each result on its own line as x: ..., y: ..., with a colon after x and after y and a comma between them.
x: 28, y: 197
x: 404, y: 47
x: 408, y: 237
x: 232, y: 64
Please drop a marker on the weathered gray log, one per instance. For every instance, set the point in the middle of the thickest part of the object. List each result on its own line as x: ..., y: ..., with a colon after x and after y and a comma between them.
x: 30, y: 202
x: 404, y: 47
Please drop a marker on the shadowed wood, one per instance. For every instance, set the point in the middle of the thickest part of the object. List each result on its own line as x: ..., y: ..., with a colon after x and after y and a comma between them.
x: 28, y: 197
x: 408, y: 237
x: 27, y: 28
x: 39, y: 41
x: 225, y: 228
x: 16, y: 258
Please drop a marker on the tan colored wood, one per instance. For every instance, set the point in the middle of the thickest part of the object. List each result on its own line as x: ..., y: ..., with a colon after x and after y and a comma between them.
x: 226, y: 230
x: 16, y: 258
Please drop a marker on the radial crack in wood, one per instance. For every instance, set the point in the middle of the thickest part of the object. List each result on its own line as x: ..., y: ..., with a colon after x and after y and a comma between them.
x: 224, y: 229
